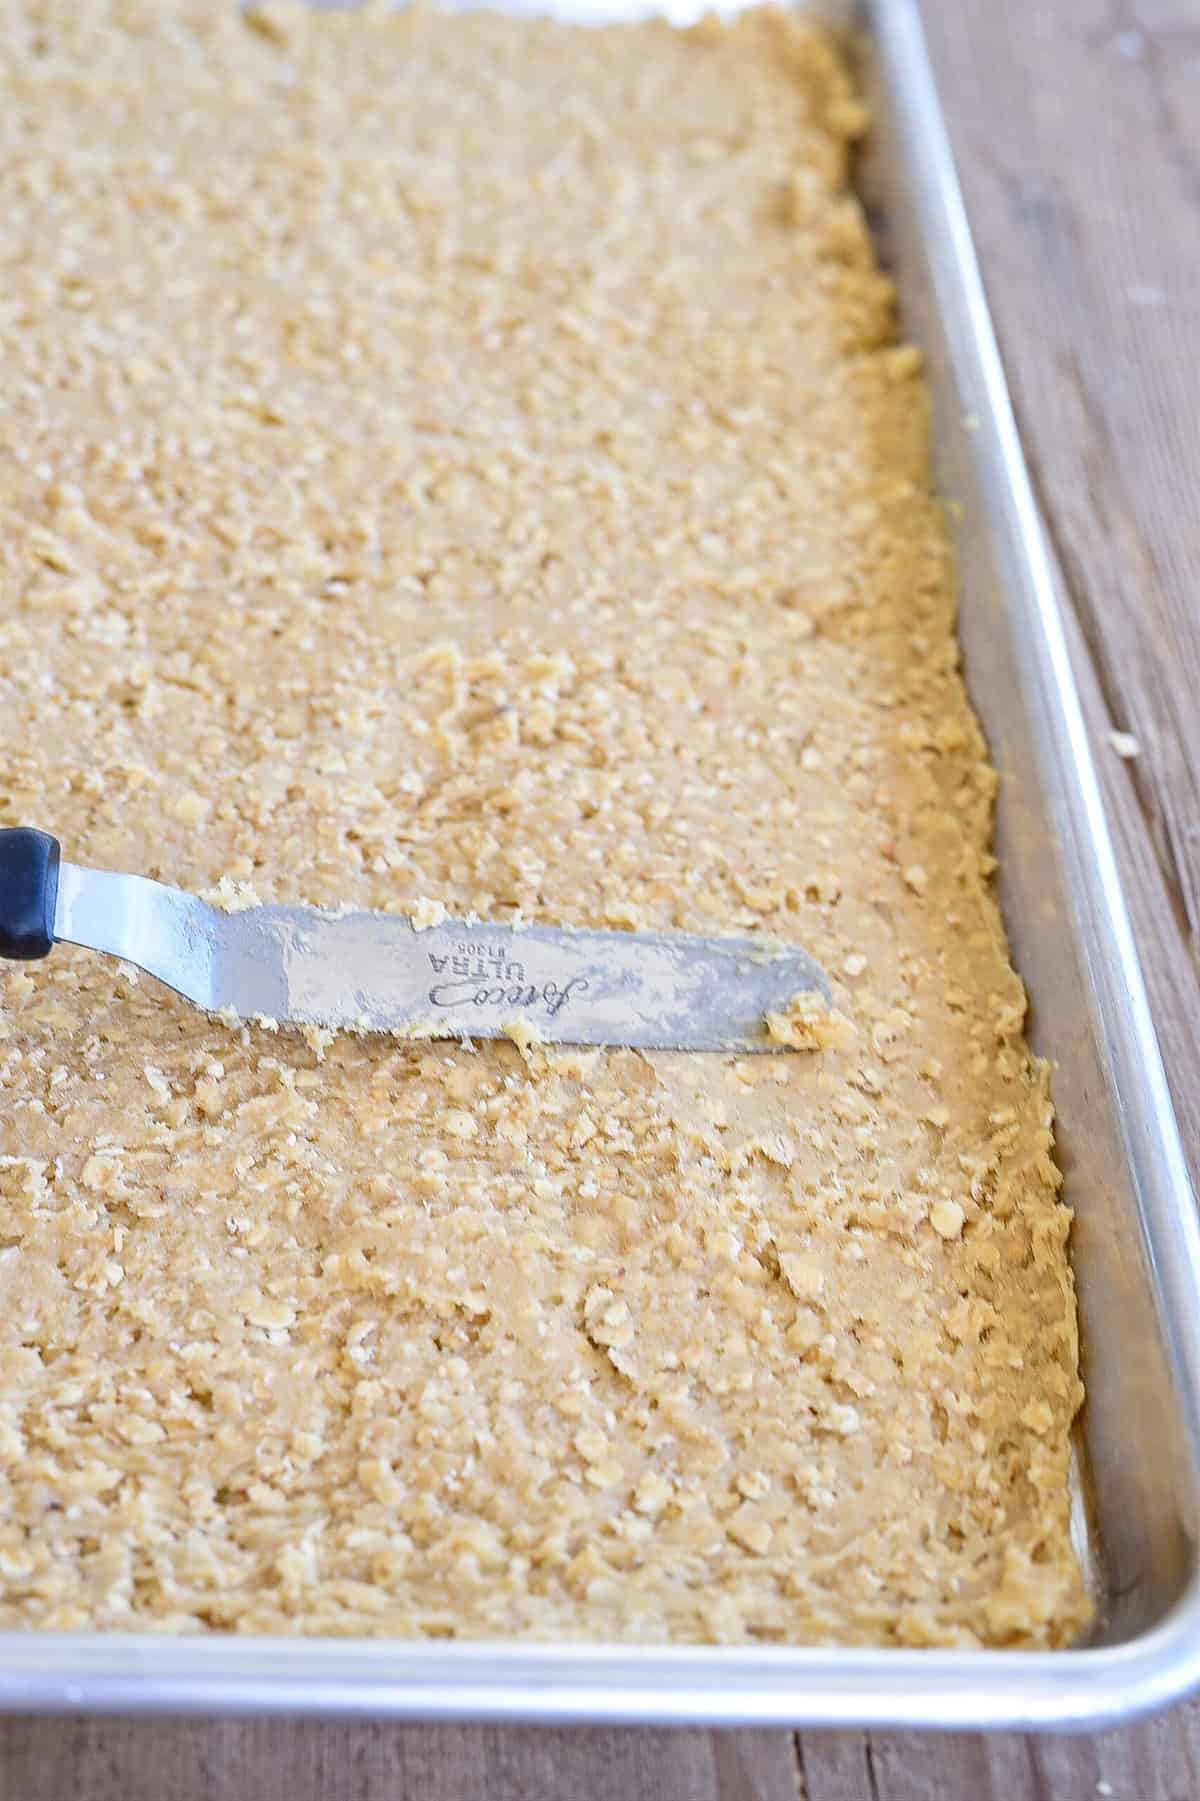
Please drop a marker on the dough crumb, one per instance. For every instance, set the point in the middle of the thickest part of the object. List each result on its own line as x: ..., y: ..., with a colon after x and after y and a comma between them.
x: 190, y: 808
x: 947, y: 1219
x: 524, y: 1034
x: 229, y: 896
x: 427, y: 913
x: 809, y: 1024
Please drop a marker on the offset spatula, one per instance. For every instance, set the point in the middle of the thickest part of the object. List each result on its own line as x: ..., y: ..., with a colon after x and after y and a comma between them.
x: 377, y: 972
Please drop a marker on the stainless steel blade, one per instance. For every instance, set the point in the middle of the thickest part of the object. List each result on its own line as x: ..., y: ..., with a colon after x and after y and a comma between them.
x: 377, y: 972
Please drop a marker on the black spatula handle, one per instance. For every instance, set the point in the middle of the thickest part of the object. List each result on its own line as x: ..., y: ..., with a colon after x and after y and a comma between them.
x: 28, y: 891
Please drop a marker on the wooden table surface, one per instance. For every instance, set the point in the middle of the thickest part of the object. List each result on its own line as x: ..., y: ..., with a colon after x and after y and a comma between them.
x: 1077, y: 128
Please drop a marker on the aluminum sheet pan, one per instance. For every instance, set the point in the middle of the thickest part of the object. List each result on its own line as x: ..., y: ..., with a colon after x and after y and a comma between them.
x: 1136, y: 1246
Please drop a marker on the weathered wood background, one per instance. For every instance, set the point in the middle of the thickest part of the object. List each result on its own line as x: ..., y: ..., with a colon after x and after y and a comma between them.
x: 1077, y: 127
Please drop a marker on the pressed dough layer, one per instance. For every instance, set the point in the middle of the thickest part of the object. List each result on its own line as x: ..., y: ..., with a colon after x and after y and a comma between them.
x: 470, y: 461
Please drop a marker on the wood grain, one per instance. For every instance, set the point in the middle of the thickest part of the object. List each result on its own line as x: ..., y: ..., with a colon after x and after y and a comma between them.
x: 1077, y: 127
x: 279, y: 1760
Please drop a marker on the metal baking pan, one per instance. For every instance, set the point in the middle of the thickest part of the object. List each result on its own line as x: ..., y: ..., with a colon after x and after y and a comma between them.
x: 1136, y: 1245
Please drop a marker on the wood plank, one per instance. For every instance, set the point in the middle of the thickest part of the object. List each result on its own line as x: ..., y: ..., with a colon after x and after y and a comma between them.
x: 312, y: 1760
x: 918, y: 1767
x: 1152, y: 1762
x: 1158, y: 1761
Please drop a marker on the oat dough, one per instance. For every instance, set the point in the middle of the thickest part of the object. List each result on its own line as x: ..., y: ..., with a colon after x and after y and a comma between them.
x: 470, y: 461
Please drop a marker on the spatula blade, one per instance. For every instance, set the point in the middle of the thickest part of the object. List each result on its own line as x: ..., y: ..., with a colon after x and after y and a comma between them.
x: 377, y: 972
x: 646, y: 990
